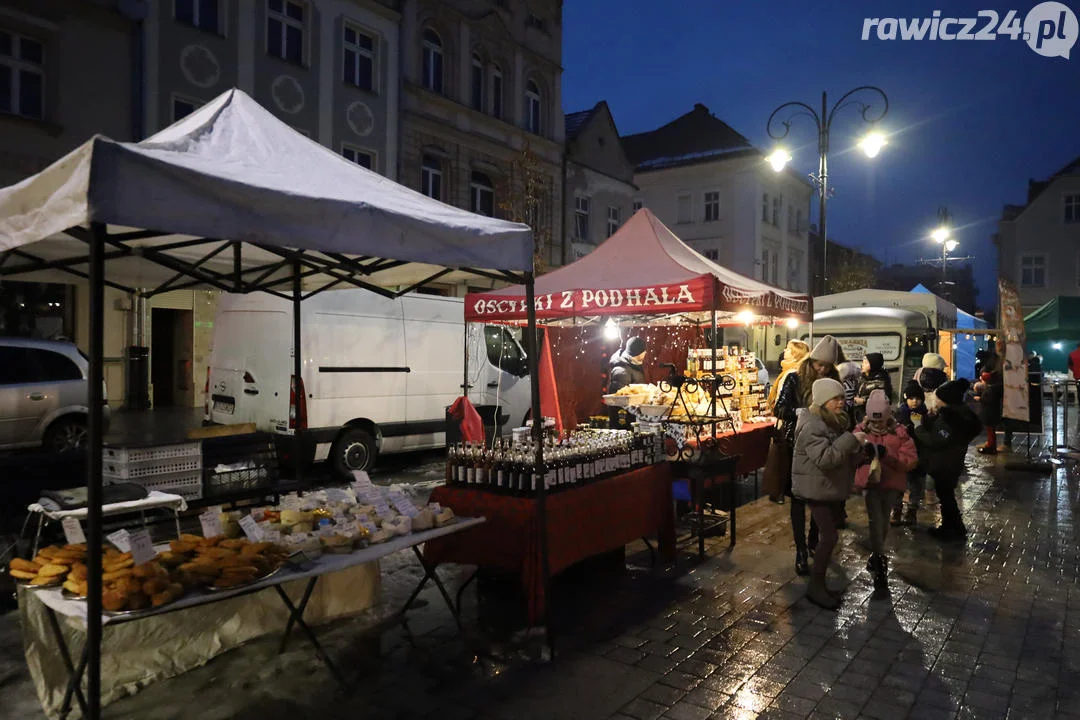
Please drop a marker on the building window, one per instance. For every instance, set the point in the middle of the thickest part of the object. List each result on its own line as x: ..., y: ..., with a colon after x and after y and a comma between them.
x: 285, y: 30
x: 638, y: 204
x: 477, y: 83
x: 481, y: 194
x: 1072, y: 208
x: 581, y: 218
x: 684, y: 204
x: 794, y: 264
x: 712, y: 206
x: 431, y: 177
x: 433, y: 61
x: 359, y: 65
x: 182, y: 107
x: 203, y: 14
x: 22, y: 76
x: 770, y: 261
x: 613, y: 220
x: 534, y: 21
x: 533, y: 108
x: 363, y: 158
x: 496, y: 92
x: 798, y: 222
x: 777, y: 203
x: 712, y: 254
x: 1033, y: 271
x: 765, y: 208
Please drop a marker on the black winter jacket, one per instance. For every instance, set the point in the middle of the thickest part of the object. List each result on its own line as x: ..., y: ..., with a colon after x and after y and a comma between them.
x: 943, y: 439
x: 624, y: 372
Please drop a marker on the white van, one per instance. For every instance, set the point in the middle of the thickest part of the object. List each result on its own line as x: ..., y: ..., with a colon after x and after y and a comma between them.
x: 901, y: 336
x: 377, y: 374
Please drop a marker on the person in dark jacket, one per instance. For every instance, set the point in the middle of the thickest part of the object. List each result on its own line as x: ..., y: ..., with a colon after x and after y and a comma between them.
x: 626, y: 369
x: 931, y: 376
x: 795, y: 394
x: 943, y: 440
x: 874, y: 377
x: 910, y: 414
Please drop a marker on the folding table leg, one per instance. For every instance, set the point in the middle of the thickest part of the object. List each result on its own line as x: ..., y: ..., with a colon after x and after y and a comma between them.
x: 74, y: 686
x: 469, y: 581
x: 296, y: 616
x: 429, y: 573
x: 699, y: 491
x: 731, y: 509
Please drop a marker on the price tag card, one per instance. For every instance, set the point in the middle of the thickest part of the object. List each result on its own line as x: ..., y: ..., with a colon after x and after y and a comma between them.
x: 120, y: 540
x: 211, y: 524
x: 273, y: 536
x: 403, y: 504
x: 367, y: 524
x: 348, y: 528
x: 73, y: 531
x: 382, y: 508
x: 142, y: 549
x: 251, y: 529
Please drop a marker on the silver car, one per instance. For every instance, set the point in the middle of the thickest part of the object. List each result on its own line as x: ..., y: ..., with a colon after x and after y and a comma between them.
x: 43, y: 395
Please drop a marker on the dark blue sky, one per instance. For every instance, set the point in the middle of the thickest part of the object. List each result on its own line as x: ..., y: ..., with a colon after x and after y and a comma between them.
x: 969, y: 122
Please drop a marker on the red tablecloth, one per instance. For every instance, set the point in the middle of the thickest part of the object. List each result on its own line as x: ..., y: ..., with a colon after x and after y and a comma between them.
x: 751, y: 444
x: 582, y: 522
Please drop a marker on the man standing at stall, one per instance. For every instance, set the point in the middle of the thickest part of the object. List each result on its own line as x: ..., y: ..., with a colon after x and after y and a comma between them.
x: 626, y: 369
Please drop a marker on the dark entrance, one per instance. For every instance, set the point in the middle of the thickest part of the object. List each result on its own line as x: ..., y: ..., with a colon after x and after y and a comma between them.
x: 170, y: 357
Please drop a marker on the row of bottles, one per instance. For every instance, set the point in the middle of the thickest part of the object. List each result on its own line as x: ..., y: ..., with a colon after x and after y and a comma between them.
x: 572, y: 461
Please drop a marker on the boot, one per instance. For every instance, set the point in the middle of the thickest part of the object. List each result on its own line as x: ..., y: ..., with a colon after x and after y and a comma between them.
x: 911, y: 517
x: 880, y: 572
x: 802, y: 565
x: 895, y: 518
x: 944, y: 533
x: 817, y: 593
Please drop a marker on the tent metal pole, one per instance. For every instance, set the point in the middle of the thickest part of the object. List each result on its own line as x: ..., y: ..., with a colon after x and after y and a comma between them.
x: 298, y: 437
x: 716, y: 296
x: 95, y: 437
x: 538, y: 436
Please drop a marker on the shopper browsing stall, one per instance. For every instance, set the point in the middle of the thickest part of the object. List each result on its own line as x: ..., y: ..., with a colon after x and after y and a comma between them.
x: 796, y: 394
x: 822, y: 473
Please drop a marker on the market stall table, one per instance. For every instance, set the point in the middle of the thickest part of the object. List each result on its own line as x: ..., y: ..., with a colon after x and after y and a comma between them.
x: 56, y: 604
x: 581, y: 522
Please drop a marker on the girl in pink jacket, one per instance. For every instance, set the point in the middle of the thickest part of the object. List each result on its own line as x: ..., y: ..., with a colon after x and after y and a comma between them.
x: 890, y: 455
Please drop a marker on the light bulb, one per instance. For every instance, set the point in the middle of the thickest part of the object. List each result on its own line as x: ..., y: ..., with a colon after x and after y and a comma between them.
x: 792, y: 323
x: 778, y: 159
x: 940, y: 235
x: 872, y: 144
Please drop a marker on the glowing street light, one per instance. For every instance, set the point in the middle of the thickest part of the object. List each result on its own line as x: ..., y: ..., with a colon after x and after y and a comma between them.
x: 792, y: 323
x: 746, y: 317
x: 872, y: 144
x: 951, y: 245
x: 940, y: 235
x: 779, y: 158
x: 612, y: 331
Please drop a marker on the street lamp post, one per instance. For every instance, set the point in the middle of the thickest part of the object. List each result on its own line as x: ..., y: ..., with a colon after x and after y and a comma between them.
x: 942, y: 235
x: 871, y: 145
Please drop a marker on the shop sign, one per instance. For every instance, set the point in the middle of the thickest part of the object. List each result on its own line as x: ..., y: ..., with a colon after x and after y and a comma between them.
x: 681, y: 297
x: 855, y: 347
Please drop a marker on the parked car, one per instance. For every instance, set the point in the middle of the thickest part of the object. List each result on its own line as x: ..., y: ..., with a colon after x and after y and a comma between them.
x: 44, y: 395
x: 377, y: 374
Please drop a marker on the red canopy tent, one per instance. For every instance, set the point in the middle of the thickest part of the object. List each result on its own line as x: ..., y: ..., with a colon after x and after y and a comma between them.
x: 643, y: 269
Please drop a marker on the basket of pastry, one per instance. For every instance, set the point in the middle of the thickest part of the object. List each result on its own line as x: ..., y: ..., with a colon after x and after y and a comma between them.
x: 49, y: 567
x: 218, y: 563
x: 125, y: 586
x: 633, y: 394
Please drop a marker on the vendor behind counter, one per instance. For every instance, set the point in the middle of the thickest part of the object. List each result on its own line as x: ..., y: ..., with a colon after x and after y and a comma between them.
x: 627, y: 368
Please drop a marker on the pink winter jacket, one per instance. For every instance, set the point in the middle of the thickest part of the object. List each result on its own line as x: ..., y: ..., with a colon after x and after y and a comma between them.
x: 900, y: 458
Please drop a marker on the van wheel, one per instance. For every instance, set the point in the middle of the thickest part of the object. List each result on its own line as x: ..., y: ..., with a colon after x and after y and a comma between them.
x: 65, y: 436
x: 354, y: 449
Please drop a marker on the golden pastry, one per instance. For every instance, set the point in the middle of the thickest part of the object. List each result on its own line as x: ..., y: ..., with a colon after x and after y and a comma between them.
x: 117, y: 574
x: 54, y: 570
x: 113, y: 600
x: 24, y: 565
x: 22, y: 574
x: 46, y: 580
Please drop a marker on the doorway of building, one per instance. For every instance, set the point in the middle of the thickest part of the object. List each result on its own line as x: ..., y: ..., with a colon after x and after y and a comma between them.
x: 170, y: 357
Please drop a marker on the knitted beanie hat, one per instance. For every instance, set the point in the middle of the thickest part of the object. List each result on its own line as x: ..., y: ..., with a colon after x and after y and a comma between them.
x: 827, y: 350
x: 824, y: 390
x: 933, y: 360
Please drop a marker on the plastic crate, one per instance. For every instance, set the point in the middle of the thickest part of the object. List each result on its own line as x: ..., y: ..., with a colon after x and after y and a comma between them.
x: 151, y: 468
x: 188, y: 485
x: 257, y: 451
x: 131, y: 456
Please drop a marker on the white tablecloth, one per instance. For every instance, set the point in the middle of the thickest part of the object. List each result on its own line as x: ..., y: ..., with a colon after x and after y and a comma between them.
x: 153, y: 500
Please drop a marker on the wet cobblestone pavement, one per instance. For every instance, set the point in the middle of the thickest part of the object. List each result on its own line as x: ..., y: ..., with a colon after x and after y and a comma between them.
x: 986, y: 629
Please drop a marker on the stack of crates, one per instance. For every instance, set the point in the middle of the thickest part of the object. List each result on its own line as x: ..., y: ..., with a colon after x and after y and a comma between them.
x: 175, y: 469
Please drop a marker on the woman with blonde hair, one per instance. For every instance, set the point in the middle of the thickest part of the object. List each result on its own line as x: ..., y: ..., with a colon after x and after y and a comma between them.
x: 795, y: 352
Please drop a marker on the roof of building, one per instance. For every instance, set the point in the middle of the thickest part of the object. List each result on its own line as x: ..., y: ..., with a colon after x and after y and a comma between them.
x: 1037, y: 187
x: 575, y: 122
x: 697, y: 136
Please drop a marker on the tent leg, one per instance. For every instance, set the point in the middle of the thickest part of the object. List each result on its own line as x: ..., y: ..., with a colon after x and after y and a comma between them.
x: 537, y: 433
x: 298, y: 365
x: 95, y: 437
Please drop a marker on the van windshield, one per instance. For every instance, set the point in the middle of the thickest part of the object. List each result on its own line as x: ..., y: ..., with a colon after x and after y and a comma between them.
x: 503, y: 352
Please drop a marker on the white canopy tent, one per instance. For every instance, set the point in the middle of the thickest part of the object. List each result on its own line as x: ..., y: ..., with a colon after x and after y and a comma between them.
x: 234, y: 199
